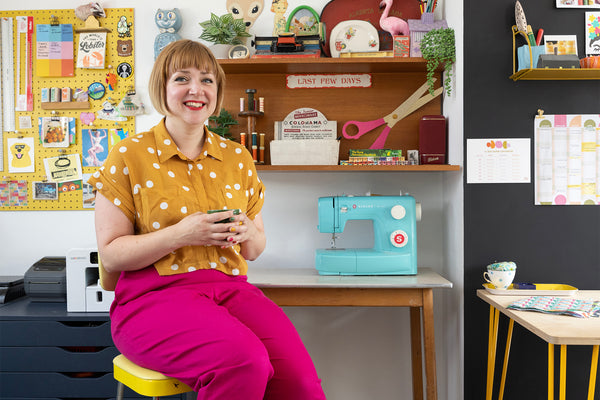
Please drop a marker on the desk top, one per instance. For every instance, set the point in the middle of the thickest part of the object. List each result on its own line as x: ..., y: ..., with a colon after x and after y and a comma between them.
x: 310, y: 278
x: 555, y: 329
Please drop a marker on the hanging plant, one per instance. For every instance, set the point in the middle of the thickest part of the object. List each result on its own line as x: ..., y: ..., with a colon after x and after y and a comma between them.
x: 224, y: 29
x: 221, y: 123
x: 438, y: 48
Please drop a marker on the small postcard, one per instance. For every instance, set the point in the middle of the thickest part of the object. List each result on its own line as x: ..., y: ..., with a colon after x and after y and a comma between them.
x: 20, y: 155
x: 91, y: 50
x: 63, y: 168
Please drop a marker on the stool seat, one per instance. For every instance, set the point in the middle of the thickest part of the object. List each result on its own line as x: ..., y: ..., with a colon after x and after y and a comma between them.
x: 145, y: 381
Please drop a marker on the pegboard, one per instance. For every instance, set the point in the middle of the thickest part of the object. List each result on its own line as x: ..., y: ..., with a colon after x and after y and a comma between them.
x: 120, y: 22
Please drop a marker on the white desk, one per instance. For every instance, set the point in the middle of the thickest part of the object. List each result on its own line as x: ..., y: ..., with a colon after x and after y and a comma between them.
x: 305, y: 287
x: 554, y: 329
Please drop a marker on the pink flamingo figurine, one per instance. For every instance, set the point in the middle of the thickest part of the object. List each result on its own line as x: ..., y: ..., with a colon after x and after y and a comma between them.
x: 393, y: 25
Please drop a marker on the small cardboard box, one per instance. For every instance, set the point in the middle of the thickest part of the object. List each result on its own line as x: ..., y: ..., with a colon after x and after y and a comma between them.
x: 305, y: 152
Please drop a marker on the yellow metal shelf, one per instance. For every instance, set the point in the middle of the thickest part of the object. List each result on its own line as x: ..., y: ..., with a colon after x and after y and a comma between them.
x: 547, y: 74
x: 555, y: 74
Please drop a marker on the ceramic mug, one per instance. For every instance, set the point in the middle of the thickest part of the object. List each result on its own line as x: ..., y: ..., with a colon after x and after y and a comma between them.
x: 500, y: 279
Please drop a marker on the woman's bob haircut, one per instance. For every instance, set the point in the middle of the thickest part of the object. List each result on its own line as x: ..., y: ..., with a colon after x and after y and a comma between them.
x: 178, y: 55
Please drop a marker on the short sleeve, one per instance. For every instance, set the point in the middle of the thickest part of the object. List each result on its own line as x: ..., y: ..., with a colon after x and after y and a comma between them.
x: 112, y: 180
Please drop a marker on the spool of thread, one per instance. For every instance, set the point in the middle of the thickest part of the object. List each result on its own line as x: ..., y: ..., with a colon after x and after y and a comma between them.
x: 243, y: 138
x: 254, y: 148
x: 251, y: 105
x: 241, y: 104
x: 261, y: 104
x: 262, y: 148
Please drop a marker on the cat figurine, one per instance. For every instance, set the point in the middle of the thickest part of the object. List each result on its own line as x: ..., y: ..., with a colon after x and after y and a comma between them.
x: 168, y: 22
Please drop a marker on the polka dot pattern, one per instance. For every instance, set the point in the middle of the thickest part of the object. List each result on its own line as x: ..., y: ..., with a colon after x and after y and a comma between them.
x: 155, y: 185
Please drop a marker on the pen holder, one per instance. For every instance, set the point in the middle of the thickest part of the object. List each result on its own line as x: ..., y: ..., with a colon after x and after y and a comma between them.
x: 523, y: 56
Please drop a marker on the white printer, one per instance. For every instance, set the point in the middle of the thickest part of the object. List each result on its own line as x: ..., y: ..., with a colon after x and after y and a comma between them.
x: 83, y: 287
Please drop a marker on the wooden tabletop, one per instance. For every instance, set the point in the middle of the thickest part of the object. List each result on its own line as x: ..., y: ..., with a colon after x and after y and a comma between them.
x: 555, y: 329
x: 309, y: 278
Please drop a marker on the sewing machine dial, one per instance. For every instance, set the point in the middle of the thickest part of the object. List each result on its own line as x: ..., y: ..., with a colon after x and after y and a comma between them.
x: 399, y: 238
x: 398, y: 212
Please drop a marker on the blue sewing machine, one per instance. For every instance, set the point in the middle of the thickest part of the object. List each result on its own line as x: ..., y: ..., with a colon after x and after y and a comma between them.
x: 395, y: 235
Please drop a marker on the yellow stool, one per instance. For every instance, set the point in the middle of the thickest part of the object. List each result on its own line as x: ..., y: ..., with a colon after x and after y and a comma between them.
x: 144, y: 381
x: 141, y: 380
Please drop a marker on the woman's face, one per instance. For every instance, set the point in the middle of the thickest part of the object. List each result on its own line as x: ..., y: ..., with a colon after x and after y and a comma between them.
x: 191, y: 95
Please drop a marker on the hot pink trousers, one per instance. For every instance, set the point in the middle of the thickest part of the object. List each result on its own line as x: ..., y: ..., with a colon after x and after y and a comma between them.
x: 218, y: 334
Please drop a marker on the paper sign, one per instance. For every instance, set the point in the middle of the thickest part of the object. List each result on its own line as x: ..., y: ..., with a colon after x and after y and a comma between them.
x: 305, y: 123
x: 498, y: 161
x: 312, y: 81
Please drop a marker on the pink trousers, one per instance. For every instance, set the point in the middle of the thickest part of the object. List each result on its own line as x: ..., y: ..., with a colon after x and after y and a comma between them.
x: 218, y: 334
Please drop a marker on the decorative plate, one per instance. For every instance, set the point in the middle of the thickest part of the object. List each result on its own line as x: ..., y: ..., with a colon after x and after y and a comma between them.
x: 353, y: 36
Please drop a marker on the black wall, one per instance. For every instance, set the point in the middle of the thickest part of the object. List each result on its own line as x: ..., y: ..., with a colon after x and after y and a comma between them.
x: 550, y: 244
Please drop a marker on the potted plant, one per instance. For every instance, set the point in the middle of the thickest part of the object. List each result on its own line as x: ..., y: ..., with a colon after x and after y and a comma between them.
x: 438, y: 47
x: 220, y: 124
x: 223, y: 31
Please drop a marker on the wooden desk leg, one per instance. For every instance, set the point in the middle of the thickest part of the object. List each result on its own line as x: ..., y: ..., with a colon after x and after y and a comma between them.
x: 550, y: 371
x: 492, y: 340
x: 593, y: 372
x: 416, y: 353
x: 428, y: 334
x: 506, y: 353
x: 563, y: 372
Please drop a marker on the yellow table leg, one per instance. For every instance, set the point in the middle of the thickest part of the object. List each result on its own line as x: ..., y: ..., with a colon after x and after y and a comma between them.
x: 492, y: 339
x: 550, y: 371
x: 563, y: 372
x: 593, y: 372
x: 506, y: 353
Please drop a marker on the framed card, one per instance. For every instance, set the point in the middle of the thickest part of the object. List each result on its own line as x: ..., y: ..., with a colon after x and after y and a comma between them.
x: 560, y: 44
x: 45, y: 190
x: 304, y: 20
x: 577, y: 3
x: 592, y: 33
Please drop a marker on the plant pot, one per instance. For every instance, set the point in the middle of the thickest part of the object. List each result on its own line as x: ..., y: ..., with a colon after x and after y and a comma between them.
x: 220, y: 50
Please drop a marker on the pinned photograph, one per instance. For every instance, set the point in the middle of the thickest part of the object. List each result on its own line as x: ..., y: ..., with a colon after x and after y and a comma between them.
x: 44, y: 190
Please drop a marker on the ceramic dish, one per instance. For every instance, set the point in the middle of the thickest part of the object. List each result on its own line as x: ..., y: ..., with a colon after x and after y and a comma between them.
x: 542, y: 289
x: 353, y: 36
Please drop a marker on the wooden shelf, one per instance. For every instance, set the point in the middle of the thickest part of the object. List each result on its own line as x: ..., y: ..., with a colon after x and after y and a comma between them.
x: 66, y: 105
x: 360, y: 168
x: 556, y: 74
x: 323, y: 65
x: 393, y: 80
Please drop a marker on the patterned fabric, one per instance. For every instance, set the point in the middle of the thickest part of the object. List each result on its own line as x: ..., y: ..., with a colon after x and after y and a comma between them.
x: 156, y: 186
x: 580, y: 308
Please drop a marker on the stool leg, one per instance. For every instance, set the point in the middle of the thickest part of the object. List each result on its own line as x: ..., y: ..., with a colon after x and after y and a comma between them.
x: 120, y: 391
x: 593, y: 372
x: 563, y: 372
x: 550, y: 371
x: 511, y: 324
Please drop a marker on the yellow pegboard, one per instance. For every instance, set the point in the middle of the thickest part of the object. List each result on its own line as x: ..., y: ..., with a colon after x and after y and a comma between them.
x: 82, y: 78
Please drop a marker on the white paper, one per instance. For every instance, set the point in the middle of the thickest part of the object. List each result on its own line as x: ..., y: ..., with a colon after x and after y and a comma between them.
x: 498, y: 161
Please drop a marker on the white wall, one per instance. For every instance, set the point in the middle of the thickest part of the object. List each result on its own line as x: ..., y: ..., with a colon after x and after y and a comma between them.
x: 360, y: 353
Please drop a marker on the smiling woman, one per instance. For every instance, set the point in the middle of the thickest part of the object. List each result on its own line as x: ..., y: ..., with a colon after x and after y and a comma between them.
x: 177, y: 260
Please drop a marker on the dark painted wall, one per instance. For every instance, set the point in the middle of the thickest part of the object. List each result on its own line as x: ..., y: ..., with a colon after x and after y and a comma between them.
x: 552, y: 244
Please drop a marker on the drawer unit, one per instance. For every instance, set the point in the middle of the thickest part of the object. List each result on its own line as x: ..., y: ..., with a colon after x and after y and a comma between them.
x: 47, y: 353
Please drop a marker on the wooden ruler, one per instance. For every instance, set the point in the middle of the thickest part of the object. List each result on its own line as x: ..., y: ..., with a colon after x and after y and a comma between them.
x: 24, y: 101
x: 8, y: 82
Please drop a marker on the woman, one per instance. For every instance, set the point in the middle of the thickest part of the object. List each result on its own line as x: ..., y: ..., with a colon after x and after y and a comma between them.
x: 183, y: 305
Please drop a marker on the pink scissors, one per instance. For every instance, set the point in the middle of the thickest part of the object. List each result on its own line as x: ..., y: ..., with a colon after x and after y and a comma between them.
x: 410, y: 105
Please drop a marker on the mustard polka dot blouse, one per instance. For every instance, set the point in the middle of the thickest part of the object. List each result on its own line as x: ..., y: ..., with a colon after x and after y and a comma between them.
x: 155, y: 186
